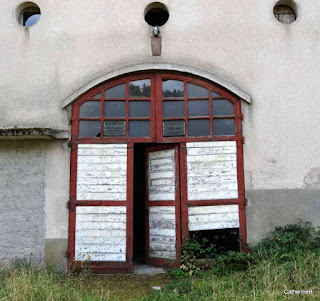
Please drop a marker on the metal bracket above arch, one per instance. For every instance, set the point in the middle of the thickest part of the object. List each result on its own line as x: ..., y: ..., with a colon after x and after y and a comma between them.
x: 158, y: 66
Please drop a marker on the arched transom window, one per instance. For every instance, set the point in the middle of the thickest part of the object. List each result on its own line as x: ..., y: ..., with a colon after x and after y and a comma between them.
x: 157, y: 107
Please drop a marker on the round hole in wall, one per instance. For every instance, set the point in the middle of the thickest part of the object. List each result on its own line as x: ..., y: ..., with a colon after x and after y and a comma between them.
x: 28, y: 14
x: 285, y: 11
x: 156, y: 14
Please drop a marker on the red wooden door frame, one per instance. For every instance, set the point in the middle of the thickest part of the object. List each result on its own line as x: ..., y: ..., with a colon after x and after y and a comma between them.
x: 175, y: 203
x: 156, y: 120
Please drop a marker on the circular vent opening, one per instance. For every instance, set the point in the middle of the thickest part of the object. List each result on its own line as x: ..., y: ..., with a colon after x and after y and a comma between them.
x: 156, y: 14
x: 28, y: 14
x: 285, y: 12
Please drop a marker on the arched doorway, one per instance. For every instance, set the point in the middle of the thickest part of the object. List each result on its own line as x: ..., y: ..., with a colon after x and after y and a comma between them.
x: 158, y: 153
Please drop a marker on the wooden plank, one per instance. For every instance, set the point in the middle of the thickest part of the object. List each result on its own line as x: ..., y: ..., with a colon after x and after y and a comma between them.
x: 102, y: 152
x: 159, y: 210
x: 211, y: 172
x: 102, y: 159
x: 101, y: 248
x: 161, y: 175
x: 102, y: 167
x: 101, y: 240
x: 155, y: 247
x: 213, y: 165
x: 101, y: 174
x: 161, y: 154
x: 99, y: 146
x: 158, y: 224
x: 211, y: 144
x: 212, y: 180
x: 100, y: 225
x: 102, y: 210
x: 214, y: 225
x: 157, y: 168
x: 100, y: 257
x: 101, y: 218
x: 212, y: 158
x: 101, y: 188
x: 164, y: 217
x: 161, y: 189
x: 211, y: 150
x: 101, y: 233
x: 162, y: 197
x: 212, y: 187
x: 162, y: 161
x: 211, y: 218
x: 213, y: 209
x: 194, y: 196
x: 99, y: 196
x: 162, y: 239
x: 102, y: 181
x: 162, y: 254
x: 162, y: 232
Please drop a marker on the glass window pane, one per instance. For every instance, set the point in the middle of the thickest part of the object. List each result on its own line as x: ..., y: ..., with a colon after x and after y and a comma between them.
x: 172, y: 88
x: 90, y: 109
x: 196, y: 91
x: 215, y: 94
x: 98, y: 95
x: 140, y: 88
x: 199, y: 128
x: 198, y: 107
x: 173, y: 128
x: 116, y: 92
x: 114, y: 128
x: 115, y: 108
x: 223, y: 127
x: 222, y: 107
x: 139, y: 128
x: 139, y: 108
x: 89, y: 128
x: 173, y: 108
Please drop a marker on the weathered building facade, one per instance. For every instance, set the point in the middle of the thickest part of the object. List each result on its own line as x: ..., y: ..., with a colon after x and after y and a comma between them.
x: 103, y: 138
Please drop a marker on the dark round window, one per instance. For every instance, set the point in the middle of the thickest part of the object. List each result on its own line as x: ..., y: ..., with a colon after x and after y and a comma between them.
x: 156, y: 14
x: 28, y: 14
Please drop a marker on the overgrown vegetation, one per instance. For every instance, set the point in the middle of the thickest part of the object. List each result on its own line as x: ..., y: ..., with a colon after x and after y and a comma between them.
x: 288, y: 259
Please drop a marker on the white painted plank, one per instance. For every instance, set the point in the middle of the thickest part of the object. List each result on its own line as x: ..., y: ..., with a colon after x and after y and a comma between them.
x: 101, y: 233
x: 102, y: 166
x: 162, y: 254
x: 193, y: 196
x: 209, y: 173
x: 211, y: 144
x: 101, y: 218
x: 102, y: 181
x: 101, y: 240
x: 99, y: 146
x: 101, y: 248
x: 211, y: 150
x: 213, y: 165
x: 213, y: 209
x: 162, y: 240
x: 162, y: 232
x: 99, y: 257
x: 102, y: 159
x: 214, y: 225
x: 162, y: 210
x: 154, y: 247
x: 102, y: 210
x: 212, y: 187
x: 161, y: 161
x: 160, y: 175
x: 216, y: 217
x: 162, y: 189
x: 99, y: 196
x: 164, y: 217
x: 161, y: 224
x: 162, y: 197
x: 101, y: 188
x: 212, y: 158
x: 102, y: 174
x: 212, y: 180
x: 102, y: 152
x: 100, y: 225
x: 161, y: 154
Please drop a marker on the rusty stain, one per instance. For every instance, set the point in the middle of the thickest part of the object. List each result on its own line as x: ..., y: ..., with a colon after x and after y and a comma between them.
x: 312, y: 179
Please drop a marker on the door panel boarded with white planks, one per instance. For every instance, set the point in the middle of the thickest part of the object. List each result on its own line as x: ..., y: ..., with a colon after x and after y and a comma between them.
x: 162, y: 232
x: 161, y: 175
x: 100, y: 233
x: 213, y: 217
x: 212, y: 170
x: 102, y: 172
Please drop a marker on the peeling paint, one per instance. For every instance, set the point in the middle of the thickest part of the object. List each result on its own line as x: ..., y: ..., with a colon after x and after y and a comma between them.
x: 312, y: 179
